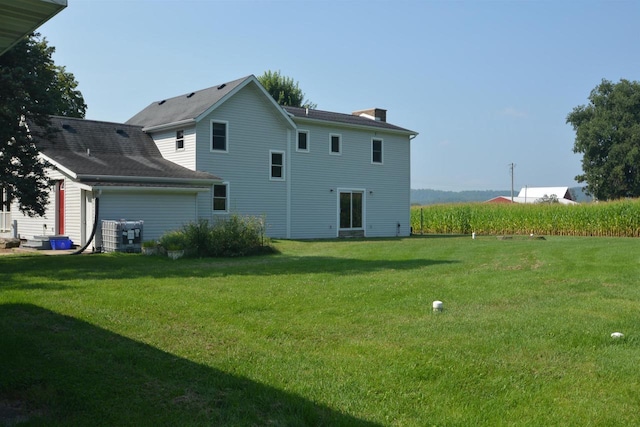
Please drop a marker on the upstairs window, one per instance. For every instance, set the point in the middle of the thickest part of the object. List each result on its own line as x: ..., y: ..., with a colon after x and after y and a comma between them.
x: 336, y: 144
x: 277, y: 165
x: 219, y: 136
x: 179, y: 140
x: 376, y: 151
x: 303, y: 140
x: 220, y: 198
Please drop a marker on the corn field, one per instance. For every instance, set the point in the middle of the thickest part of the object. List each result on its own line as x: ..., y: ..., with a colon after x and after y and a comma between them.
x: 616, y: 219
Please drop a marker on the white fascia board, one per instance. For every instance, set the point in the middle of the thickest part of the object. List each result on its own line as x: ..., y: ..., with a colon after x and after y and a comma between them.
x: 58, y: 166
x: 250, y: 79
x: 148, y: 179
x: 328, y: 123
x: 166, y: 126
x: 134, y: 189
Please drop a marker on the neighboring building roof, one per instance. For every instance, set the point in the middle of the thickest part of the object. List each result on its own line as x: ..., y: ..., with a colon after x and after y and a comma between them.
x: 96, y: 151
x: 19, y: 18
x: 539, y: 192
x: 344, y: 119
x: 500, y: 199
x: 194, y: 106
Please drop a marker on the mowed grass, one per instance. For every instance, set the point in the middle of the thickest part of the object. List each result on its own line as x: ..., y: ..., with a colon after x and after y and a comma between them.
x: 328, y: 333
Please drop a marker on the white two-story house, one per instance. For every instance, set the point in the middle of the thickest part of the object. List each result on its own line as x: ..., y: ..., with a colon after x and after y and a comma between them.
x: 230, y: 149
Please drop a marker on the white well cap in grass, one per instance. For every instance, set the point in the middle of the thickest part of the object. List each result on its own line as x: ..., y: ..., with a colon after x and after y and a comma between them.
x: 617, y: 335
x: 437, y: 306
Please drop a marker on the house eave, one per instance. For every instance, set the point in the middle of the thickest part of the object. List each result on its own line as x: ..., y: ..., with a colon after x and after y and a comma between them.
x: 142, y: 189
x: 149, y: 179
x: 173, y: 125
x: 355, y: 126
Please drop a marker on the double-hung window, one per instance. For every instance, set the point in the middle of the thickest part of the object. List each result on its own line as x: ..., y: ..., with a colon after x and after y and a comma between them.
x: 276, y: 165
x: 335, y: 144
x: 179, y: 140
x: 221, y: 198
x: 376, y: 151
x: 303, y: 141
x: 219, y: 136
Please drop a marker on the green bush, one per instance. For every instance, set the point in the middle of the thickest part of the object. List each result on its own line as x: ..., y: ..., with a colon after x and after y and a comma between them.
x: 228, y: 237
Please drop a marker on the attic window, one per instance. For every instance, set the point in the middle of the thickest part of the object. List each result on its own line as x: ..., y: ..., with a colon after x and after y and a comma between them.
x: 179, y: 140
x: 191, y: 94
x: 222, y: 86
x: 162, y: 102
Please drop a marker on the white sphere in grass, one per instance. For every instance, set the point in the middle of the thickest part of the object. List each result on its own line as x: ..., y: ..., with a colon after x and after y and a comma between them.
x: 437, y: 306
x: 617, y: 335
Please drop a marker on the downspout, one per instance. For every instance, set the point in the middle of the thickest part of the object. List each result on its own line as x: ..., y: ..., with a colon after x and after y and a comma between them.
x: 93, y: 230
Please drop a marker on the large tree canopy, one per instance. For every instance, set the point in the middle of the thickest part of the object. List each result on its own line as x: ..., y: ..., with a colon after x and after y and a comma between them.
x: 608, y: 135
x: 32, y: 87
x: 284, y: 90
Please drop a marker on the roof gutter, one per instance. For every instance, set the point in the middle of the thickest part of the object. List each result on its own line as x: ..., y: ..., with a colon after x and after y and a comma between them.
x: 169, y: 125
x: 129, y: 189
x: 149, y: 179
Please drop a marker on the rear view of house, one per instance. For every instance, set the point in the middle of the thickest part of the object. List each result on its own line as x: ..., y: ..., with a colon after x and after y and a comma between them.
x: 231, y: 149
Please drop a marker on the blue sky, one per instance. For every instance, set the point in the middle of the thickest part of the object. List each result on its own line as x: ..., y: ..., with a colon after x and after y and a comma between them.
x: 485, y: 83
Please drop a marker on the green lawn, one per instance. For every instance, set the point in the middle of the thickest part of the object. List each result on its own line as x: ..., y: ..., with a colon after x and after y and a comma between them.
x: 327, y: 333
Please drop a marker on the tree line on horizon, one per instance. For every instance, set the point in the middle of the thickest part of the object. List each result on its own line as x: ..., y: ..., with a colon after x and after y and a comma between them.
x: 426, y: 196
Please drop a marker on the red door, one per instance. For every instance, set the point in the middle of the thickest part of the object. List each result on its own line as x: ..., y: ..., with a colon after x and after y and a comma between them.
x: 60, y: 199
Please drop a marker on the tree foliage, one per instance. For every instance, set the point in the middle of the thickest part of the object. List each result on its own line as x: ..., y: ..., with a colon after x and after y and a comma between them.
x: 608, y: 134
x: 284, y: 90
x: 32, y: 87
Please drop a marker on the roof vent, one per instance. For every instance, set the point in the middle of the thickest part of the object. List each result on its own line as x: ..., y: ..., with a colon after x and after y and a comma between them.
x: 162, y: 102
x: 222, y: 86
x: 121, y: 132
x: 66, y: 126
x: 191, y: 94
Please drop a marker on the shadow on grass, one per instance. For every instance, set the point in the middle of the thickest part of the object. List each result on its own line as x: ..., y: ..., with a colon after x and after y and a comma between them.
x: 49, y: 272
x: 57, y: 370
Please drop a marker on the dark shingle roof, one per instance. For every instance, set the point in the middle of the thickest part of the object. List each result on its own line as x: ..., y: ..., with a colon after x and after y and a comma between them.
x: 88, y: 147
x: 183, y: 107
x: 347, y: 119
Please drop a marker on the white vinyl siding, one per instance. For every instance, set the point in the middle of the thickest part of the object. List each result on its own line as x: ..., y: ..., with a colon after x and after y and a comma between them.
x: 161, y: 212
x: 255, y: 128
x: 166, y: 143
x: 317, y: 178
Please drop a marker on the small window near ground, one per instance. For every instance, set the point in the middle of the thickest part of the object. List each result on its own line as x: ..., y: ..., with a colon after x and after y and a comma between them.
x: 219, y: 136
x: 220, y: 198
x: 303, y: 141
x: 180, y: 140
x: 376, y: 151
x: 336, y: 144
x: 277, y: 165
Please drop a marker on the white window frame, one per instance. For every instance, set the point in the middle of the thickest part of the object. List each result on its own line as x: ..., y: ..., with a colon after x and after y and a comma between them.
x: 179, y: 139
x: 298, y: 149
x: 226, y: 136
x: 339, y: 152
x: 5, y: 211
x: 213, y: 199
x: 381, y: 162
x: 283, y: 154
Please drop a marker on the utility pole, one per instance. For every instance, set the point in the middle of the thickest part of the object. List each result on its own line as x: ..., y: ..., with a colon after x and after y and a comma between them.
x: 511, y: 167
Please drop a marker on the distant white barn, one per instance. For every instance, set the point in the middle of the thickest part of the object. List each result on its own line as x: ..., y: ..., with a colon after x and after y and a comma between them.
x: 537, y: 195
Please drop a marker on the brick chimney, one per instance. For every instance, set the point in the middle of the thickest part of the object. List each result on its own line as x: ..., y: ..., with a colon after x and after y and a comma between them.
x: 377, y: 114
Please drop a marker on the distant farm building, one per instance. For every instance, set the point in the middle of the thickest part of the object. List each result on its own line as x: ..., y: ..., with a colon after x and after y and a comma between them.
x: 538, y: 195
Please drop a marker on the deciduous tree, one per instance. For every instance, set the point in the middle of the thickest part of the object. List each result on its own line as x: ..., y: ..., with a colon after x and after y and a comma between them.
x: 608, y: 135
x: 284, y: 90
x: 32, y: 87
